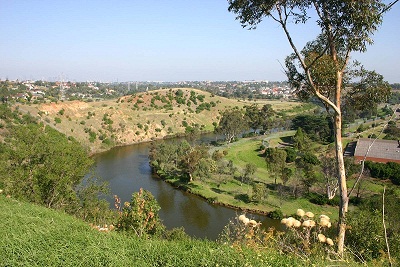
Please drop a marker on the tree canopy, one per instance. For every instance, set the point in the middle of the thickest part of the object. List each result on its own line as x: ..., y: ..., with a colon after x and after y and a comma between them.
x: 231, y: 124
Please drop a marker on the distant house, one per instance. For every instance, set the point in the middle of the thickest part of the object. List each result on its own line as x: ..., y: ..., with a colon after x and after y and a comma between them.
x: 380, y: 151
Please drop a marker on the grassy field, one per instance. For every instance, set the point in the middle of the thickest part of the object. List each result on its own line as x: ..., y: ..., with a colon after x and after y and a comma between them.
x: 36, y: 236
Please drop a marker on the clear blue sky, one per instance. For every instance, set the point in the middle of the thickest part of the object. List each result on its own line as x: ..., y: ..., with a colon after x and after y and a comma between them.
x: 156, y: 41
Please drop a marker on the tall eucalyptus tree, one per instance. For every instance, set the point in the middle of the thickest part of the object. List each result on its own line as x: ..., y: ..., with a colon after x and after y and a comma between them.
x: 323, y: 68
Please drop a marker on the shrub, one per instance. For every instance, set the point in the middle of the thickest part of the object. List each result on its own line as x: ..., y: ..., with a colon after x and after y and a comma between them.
x: 276, y: 214
x: 390, y: 170
x: 176, y: 234
x: 290, y: 154
x: 244, y: 231
x: 140, y: 216
x: 106, y: 141
x: 304, y: 235
x: 317, y: 198
x: 260, y: 192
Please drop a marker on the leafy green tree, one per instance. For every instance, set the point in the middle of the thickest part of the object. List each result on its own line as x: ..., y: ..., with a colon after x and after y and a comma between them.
x: 164, y: 157
x: 267, y: 115
x: 291, y: 154
x: 286, y: 174
x: 322, y: 68
x: 91, y: 208
x: 317, y: 128
x: 249, y: 170
x: 361, y: 128
x: 365, y: 95
x: 307, y: 163
x: 260, y: 192
x: 276, y: 161
x: 366, y: 231
x: 182, y: 159
x: 231, y: 124
x: 41, y: 165
x: 190, y: 162
x: 392, y: 132
x: 254, y: 117
x: 300, y: 140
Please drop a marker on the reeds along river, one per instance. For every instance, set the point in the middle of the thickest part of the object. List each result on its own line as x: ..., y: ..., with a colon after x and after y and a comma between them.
x: 127, y: 169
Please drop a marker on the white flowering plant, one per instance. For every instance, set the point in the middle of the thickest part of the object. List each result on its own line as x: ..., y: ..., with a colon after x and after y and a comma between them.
x: 306, y: 233
x: 243, y: 230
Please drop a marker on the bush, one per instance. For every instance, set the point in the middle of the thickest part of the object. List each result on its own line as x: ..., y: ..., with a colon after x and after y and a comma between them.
x: 276, y: 214
x: 176, y: 234
x: 317, y: 198
x: 290, y: 154
x: 365, y: 234
x: 260, y: 192
x: 390, y: 170
x: 106, y: 141
x: 140, y: 216
x: 305, y: 235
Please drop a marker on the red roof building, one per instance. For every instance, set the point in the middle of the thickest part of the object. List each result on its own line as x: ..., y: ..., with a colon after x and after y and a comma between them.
x: 377, y: 150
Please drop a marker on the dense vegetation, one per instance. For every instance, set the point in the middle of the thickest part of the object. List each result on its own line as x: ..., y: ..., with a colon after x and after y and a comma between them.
x: 389, y: 170
x: 40, y: 165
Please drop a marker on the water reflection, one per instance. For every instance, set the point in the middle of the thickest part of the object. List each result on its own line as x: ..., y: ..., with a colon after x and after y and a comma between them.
x: 195, y: 214
x: 166, y: 197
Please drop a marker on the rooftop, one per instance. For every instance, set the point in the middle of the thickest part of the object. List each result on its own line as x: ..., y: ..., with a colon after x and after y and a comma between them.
x: 387, y: 150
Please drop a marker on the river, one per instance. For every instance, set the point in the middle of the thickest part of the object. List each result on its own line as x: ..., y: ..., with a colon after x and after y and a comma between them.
x: 127, y: 169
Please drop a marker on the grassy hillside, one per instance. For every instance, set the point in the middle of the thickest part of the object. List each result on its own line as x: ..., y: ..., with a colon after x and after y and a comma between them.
x: 139, y: 118
x: 36, y: 236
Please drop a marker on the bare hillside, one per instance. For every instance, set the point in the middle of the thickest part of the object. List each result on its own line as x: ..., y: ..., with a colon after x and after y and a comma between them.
x: 142, y: 117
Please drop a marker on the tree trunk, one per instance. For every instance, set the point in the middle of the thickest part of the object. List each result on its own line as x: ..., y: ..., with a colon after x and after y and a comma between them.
x: 344, y: 200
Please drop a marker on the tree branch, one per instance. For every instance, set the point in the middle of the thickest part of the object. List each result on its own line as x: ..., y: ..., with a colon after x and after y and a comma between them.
x: 389, y: 6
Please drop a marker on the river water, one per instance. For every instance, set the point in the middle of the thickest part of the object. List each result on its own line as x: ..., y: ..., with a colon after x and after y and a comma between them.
x: 127, y: 169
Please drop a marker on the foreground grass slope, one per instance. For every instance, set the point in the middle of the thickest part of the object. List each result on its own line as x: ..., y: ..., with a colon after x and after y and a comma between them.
x: 36, y: 236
